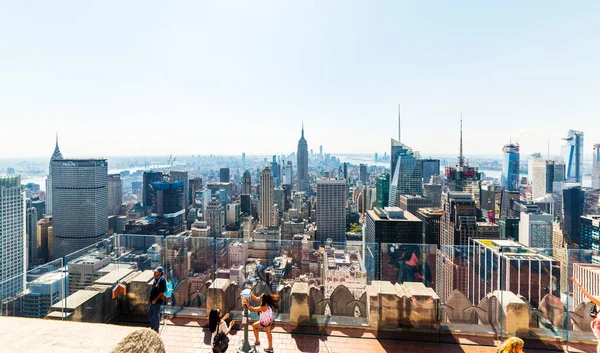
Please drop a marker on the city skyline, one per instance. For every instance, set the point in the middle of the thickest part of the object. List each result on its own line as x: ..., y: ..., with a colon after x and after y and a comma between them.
x: 272, y: 66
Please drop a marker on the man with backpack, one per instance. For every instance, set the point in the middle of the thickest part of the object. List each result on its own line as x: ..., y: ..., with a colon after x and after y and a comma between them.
x: 157, y: 297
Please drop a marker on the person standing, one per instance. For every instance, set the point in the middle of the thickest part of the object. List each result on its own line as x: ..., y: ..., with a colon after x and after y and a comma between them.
x: 595, y: 317
x: 219, y: 329
x: 157, y: 297
x: 268, y: 305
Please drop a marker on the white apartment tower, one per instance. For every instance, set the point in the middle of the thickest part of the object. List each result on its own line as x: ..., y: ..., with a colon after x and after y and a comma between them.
x: 13, y: 239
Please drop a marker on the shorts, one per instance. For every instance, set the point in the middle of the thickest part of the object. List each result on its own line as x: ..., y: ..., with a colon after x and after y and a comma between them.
x: 265, y: 326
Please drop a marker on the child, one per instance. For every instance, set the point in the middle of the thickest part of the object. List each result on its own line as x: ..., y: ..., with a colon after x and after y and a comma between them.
x: 512, y: 345
x: 266, y: 312
x: 217, y: 325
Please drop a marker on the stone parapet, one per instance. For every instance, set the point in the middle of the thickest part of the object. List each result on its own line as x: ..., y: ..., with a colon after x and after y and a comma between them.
x: 299, y: 310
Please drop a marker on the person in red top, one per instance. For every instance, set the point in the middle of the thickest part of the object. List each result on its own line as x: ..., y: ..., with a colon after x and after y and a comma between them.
x: 595, y: 319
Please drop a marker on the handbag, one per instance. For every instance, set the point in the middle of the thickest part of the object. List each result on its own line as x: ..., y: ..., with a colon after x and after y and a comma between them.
x: 221, y: 341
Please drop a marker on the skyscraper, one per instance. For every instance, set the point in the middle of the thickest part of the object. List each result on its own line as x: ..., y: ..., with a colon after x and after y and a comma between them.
x: 55, y: 156
x: 79, y: 203
x: 535, y: 228
x: 458, y: 224
x: 573, y: 154
x: 224, y: 175
x: 115, y: 194
x: 363, y: 175
x: 32, y: 237
x: 149, y: 178
x: 246, y: 183
x: 214, y: 217
x: 331, y: 210
x: 302, y: 163
x: 382, y: 187
x: 180, y: 175
x: 406, y: 169
x: 573, y: 201
x: 430, y: 167
x: 12, y: 236
x: 462, y: 177
x: 265, y: 202
x: 510, y: 167
x: 596, y: 167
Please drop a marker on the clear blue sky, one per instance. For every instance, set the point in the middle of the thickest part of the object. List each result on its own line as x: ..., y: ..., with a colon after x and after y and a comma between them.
x: 225, y: 77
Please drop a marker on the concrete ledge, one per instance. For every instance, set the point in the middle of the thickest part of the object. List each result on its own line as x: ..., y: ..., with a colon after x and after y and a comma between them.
x: 20, y: 335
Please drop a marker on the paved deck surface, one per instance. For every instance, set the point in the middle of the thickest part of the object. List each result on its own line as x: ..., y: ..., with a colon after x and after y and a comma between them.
x: 195, y: 339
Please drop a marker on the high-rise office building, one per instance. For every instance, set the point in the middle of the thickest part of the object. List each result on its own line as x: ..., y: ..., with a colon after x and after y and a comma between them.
x: 588, y: 275
x: 79, y: 203
x: 510, y: 167
x: 288, y: 174
x: 42, y: 293
x: 302, y: 164
x: 431, y: 218
x: 246, y: 204
x: 530, y: 166
x: 535, y: 228
x: 13, y: 237
x: 391, y: 225
x: 590, y: 232
x: 555, y: 173
x: 232, y: 214
x: 149, y: 178
x: 45, y: 236
x: 115, y: 194
x: 265, y: 202
x: 596, y: 167
x: 331, y: 210
x: 430, y: 167
x: 40, y: 206
x: 246, y: 183
x: 224, y: 175
x: 458, y: 225
x: 524, y: 271
x: 382, y: 187
x: 214, y: 217
x: 412, y: 203
x: 180, y: 175
x: 32, y: 237
x: 573, y: 199
x: 407, y: 175
x: 573, y: 154
x: 362, y: 173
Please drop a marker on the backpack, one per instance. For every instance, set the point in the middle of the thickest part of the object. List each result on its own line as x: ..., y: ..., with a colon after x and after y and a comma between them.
x: 221, y: 341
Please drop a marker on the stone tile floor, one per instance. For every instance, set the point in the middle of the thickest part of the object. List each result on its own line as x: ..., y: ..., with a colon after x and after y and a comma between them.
x: 195, y: 339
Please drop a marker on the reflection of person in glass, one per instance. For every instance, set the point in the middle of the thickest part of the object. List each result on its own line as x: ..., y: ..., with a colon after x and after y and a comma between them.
x: 409, y: 267
x: 595, y: 317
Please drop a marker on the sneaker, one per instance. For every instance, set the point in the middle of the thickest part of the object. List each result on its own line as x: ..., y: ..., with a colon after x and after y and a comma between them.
x: 269, y: 350
x: 257, y: 343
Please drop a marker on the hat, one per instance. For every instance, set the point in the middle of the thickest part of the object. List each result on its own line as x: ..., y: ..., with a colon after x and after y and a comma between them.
x: 159, y: 269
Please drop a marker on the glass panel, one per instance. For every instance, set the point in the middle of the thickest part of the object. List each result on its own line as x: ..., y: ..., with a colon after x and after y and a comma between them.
x: 584, y: 267
x: 36, y: 293
x: 408, y: 302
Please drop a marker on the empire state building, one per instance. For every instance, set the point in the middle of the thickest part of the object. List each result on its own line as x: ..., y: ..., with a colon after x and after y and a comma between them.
x: 302, y: 181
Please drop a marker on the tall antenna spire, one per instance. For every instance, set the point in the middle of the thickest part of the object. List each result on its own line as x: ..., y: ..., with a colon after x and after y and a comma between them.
x: 548, y: 148
x: 57, y: 139
x: 461, y: 159
x: 302, y: 128
x: 399, y: 128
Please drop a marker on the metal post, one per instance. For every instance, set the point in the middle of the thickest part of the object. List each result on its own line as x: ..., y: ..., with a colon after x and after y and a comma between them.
x: 246, y: 347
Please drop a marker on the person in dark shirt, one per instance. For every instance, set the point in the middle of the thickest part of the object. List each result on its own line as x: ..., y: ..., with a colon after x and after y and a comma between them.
x: 157, y: 297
